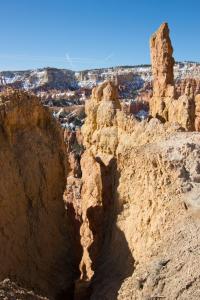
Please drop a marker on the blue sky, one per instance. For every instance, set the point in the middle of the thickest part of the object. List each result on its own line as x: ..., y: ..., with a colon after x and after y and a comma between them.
x: 80, y: 34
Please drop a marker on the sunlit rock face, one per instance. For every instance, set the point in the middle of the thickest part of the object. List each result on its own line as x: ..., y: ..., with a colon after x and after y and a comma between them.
x: 162, y: 62
x: 137, y: 202
x: 164, y: 103
x: 34, y: 236
x: 139, y: 181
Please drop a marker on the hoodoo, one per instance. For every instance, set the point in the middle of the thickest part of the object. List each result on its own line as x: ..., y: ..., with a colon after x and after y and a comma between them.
x: 164, y: 103
x: 162, y: 70
x: 162, y: 62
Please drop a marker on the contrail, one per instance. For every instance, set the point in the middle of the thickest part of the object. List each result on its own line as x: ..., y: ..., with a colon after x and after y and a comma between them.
x: 109, y: 57
x: 73, y: 60
x: 69, y: 60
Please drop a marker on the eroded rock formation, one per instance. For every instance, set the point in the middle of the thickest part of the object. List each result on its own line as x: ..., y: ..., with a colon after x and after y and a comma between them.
x: 162, y: 63
x: 162, y: 70
x: 192, y: 83
x: 139, y: 208
x: 164, y: 104
x: 97, y: 186
x: 140, y: 192
x: 35, y: 247
x: 197, y: 112
x: 132, y: 197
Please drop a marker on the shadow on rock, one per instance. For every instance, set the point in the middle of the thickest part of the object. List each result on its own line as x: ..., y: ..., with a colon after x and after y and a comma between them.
x: 115, y: 264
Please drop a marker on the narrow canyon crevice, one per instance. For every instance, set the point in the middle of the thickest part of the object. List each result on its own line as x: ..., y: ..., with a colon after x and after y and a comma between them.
x: 98, y: 237
x: 100, y: 207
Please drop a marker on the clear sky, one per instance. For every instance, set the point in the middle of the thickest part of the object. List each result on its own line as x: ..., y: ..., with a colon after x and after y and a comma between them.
x: 80, y: 34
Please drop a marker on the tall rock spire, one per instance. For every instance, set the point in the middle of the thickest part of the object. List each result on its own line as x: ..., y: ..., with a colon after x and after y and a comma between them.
x: 162, y: 61
x: 162, y: 70
x: 164, y: 105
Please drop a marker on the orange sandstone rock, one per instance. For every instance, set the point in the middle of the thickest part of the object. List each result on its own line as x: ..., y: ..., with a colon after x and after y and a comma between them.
x: 164, y: 104
x: 162, y: 62
x: 34, y: 237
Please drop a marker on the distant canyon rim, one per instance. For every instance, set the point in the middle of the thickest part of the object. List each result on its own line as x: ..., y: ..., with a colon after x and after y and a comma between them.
x: 66, y: 91
x: 100, y: 185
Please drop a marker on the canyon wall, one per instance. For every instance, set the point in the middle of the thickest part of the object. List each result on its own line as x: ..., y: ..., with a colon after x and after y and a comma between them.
x: 34, y: 233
